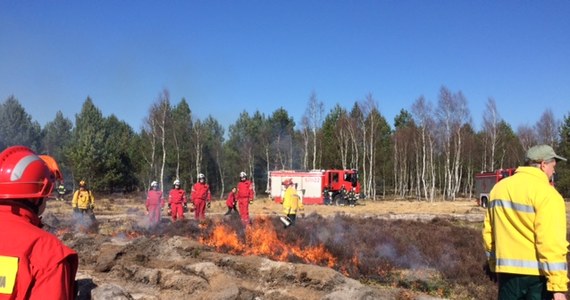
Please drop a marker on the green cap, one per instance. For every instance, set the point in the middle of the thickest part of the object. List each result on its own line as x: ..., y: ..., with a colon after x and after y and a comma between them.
x: 541, y: 153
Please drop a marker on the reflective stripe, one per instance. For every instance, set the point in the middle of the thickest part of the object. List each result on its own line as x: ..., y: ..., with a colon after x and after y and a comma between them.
x: 528, y: 264
x: 21, y: 166
x: 511, y: 205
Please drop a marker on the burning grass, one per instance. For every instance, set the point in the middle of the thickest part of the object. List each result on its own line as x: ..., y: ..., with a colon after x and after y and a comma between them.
x: 441, y: 257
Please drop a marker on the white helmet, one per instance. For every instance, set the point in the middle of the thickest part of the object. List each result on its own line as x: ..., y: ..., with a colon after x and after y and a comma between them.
x: 201, y: 176
x: 242, y: 174
x: 176, y: 182
x: 153, y: 184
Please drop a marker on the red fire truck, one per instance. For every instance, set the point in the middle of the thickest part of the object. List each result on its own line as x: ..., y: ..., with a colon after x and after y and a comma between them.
x: 330, y: 187
x: 485, y: 181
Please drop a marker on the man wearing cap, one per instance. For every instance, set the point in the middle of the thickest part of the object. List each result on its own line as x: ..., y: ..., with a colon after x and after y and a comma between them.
x: 524, y: 232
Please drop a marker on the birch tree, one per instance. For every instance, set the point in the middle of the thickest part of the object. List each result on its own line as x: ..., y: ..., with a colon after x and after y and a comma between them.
x: 198, y: 137
x: 452, y: 111
x: 306, y: 135
x: 547, y: 129
x: 423, y: 113
x: 527, y: 136
x: 314, y: 119
x: 491, y: 119
x: 402, y: 151
x: 157, y: 123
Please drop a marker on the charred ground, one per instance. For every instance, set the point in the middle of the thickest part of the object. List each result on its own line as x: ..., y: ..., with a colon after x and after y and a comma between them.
x: 372, y: 251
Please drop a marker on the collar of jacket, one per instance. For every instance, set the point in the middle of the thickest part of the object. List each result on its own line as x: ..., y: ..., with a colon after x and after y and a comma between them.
x: 534, y: 171
x: 22, y: 212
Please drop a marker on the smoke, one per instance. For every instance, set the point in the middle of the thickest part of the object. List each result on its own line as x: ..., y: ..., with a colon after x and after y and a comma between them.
x: 84, y: 222
x: 385, y: 251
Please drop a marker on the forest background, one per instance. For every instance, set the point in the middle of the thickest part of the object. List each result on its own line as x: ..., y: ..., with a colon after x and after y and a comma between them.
x: 430, y: 151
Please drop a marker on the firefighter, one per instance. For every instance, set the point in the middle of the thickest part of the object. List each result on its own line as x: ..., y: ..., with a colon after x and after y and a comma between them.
x: 34, y: 264
x: 201, y: 197
x: 292, y: 203
x: 524, y: 231
x: 231, y: 202
x: 83, y: 202
x: 154, y: 203
x: 244, y: 197
x: 177, y: 201
x: 60, y: 190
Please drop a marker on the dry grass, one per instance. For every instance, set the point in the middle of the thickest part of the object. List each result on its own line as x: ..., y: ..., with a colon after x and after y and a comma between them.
x: 439, y: 256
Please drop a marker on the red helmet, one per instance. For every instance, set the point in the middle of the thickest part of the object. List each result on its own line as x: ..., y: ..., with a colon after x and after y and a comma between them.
x: 24, y: 175
x: 287, y: 182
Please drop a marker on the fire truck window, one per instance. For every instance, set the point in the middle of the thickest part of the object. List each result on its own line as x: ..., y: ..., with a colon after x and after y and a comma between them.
x: 335, y: 177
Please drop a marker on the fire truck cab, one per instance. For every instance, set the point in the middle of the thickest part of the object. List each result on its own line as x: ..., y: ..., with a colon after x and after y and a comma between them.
x: 485, y: 181
x: 330, y: 187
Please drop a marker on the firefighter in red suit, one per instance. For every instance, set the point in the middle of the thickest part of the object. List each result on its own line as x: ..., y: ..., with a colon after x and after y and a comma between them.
x: 177, y: 201
x: 231, y: 202
x: 201, y: 197
x: 34, y: 264
x: 154, y: 203
x: 244, y: 197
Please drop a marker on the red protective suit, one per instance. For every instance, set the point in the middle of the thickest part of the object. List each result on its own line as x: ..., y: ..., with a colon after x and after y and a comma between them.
x: 244, y: 196
x: 231, y: 201
x: 177, y: 199
x: 200, y: 196
x: 41, y: 265
x: 154, y: 203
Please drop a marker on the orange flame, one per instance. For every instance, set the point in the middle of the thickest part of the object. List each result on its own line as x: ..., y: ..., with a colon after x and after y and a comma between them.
x: 262, y: 239
x: 62, y: 231
x: 127, y: 234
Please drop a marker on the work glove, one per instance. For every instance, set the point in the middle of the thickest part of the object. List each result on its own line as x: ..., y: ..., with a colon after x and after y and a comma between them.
x: 208, y: 204
x: 490, y: 274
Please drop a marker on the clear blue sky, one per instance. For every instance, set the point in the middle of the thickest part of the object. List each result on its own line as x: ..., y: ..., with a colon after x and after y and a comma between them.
x: 225, y: 57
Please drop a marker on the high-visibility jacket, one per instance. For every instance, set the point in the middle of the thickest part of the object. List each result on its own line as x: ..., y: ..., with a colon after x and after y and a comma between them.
x: 291, y: 201
x: 83, y: 199
x: 34, y: 264
x: 201, y: 191
x: 525, y: 228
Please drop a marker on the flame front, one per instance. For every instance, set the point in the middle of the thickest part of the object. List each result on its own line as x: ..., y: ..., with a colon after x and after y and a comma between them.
x: 262, y: 239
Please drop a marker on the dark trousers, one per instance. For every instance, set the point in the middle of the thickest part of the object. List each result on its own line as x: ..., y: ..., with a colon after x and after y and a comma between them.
x: 292, y: 217
x: 522, y: 287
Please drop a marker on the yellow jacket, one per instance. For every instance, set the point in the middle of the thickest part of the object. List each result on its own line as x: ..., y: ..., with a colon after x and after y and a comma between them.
x: 83, y: 199
x: 525, y: 228
x: 291, y: 201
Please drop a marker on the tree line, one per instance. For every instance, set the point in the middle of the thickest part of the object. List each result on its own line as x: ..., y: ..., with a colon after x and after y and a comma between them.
x: 431, y: 151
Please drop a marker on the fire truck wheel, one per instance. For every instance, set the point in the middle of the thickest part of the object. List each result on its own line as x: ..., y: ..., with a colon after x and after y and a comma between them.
x: 484, y: 202
x: 339, y: 200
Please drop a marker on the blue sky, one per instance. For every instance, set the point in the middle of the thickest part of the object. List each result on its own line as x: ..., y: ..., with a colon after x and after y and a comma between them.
x: 225, y: 57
